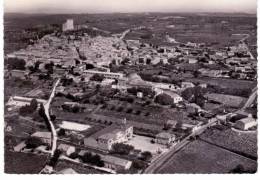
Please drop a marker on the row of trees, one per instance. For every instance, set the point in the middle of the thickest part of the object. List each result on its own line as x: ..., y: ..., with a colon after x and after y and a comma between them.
x: 123, y: 149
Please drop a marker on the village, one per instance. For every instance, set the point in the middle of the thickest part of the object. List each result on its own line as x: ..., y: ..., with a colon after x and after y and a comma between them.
x: 121, y: 105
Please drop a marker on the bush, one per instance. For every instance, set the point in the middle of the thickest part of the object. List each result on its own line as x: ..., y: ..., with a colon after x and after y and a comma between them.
x: 97, y: 77
x: 55, y: 158
x: 146, y: 156
x: 123, y: 149
x: 120, y: 109
x: 33, y: 142
x: 73, y: 155
x: 137, y: 164
x: 129, y: 110
x: 61, y: 132
x: 92, y: 159
x: 75, y: 109
x: 163, y: 99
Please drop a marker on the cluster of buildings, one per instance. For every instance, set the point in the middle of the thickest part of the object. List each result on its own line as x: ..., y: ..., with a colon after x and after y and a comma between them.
x: 71, y: 56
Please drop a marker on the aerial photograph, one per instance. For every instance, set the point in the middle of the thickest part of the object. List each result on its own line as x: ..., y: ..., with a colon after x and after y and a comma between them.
x: 130, y: 87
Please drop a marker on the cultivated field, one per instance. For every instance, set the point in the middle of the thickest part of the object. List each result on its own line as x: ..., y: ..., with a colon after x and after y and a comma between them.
x: 245, y: 143
x: 23, y: 163
x: 201, y: 157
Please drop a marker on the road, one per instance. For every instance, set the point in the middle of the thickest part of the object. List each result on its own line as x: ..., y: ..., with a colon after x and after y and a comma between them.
x: 250, y: 99
x: 157, y: 164
x: 47, y: 113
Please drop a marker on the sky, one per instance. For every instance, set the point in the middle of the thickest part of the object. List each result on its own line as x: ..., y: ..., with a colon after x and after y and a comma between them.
x: 110, y: 6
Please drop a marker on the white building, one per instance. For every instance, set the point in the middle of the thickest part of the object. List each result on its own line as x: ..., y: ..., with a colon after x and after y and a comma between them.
x: 67, y: 149
x: 105, y: 74
x: 108, y: 136
x: 44, y: 136
x: 18, y: 101
x: 68, y: 25
x: 246, y: 123
x: 165, y: 138
x: 116, y: 163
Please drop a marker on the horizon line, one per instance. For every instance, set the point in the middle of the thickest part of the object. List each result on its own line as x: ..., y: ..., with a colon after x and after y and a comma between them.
x: 137, y: 12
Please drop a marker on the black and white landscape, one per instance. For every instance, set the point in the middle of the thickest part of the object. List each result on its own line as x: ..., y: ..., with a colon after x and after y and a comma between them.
x: 114, y: 88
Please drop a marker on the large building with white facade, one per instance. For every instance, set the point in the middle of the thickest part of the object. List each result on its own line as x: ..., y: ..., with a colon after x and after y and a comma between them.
x: 68, y: 25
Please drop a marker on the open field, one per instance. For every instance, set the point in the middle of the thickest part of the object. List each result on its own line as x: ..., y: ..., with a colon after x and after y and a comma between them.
x: 245, y: 143
x: 201, y: 157
x: 23, y: 163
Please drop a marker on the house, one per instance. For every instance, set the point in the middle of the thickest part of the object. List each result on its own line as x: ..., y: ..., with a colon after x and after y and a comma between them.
x: 246, y: 123
x: 116, y: 163
x: 185, y: 85
x: 192, y: 61
x: 165, y: 138
x: 107, y: 82
x: 18, y: 74
x: 67, y: 149
x: 164, y: 86
x: 192, y: 108
x: 22, y: 101
x: 108, y: 136
x: 41, y: 149
x: 44, y: 136
x: 19, y: 147
x: 176, y: 98
x: 171, y: 123
x: 108, y: 75
x: 139, y: 94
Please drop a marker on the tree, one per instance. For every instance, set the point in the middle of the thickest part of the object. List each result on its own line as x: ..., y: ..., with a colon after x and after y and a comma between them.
x: 34, y: 104
x: 33, y: 142
x: 120, y: 148
x: 92, y: 159
x: 75, y: 109
x: 43, y: 115
x: 164, y: 99
x: 53, y: 161
x: 146, y: 156
x: 61, y: 132
x: 86, y: 158
x: 97, y: 77
x: 137, y: 164
x: 73, y: 155
x: 49, y: 67
x: 90, y: 66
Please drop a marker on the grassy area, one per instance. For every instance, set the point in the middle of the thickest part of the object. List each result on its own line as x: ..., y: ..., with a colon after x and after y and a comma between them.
x: 23, y: 163
x: 201, y: 157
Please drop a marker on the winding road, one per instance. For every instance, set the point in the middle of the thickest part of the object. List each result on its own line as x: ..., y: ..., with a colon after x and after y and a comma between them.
x: 47, y: 113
